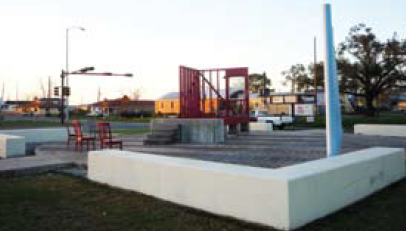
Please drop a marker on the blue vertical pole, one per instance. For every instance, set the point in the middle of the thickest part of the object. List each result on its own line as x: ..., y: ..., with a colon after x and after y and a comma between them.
x: 333, y: 106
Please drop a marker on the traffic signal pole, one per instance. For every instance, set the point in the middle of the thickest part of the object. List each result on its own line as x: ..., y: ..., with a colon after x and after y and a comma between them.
x: 84, y: 71
x: 62, y: 109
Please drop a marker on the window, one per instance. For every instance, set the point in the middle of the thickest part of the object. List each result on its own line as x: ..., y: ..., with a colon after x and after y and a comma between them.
x: 172, y: 105
x: 162, y: 104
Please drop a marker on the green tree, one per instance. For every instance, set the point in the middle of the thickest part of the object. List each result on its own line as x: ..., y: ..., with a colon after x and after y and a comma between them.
x: 319, y: 74
x: 369, y: 67
x: 298, y: 78
x: 256, y: 82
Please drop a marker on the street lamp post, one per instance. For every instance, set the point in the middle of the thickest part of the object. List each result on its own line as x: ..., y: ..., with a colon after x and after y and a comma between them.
x: 67, y: 65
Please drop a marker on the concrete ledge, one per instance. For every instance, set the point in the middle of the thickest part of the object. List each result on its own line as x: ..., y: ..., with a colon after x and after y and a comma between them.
x: 34, y: 137
x: 284, y: 198
x: 11, y: 146
x: 265, y: 128
x: 38, y: 135
x: 381, y: 129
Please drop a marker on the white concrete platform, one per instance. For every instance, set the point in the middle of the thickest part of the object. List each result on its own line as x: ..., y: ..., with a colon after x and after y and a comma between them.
x: 38, y: 135
x: 284, y: 198
x: 381, y: 129
x: 11, y: 146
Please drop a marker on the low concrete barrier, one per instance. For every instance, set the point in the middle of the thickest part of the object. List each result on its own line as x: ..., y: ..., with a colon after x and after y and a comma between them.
x: 33, y: 137
x: 265, y: 128
x: 11, y: 146
x: 38, y: 135
x: 284, y: 198
x: 381, y: 129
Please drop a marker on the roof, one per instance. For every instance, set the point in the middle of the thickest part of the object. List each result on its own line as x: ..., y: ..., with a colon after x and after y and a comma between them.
x: 17, y: 102
x: 290, y: 93
x: 171, y: 95
x: 119, y: 103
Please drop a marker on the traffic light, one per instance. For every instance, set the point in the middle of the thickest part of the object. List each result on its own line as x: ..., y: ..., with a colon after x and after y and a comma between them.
x: 66, y: 91
x: 56, y: 91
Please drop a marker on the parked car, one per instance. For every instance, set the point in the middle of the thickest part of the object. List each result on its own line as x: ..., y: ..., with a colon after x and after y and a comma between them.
x: 278, y: 121
x: 95, y: 114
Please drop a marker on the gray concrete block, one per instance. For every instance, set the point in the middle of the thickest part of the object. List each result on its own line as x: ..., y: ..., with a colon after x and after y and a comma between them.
x: 11, y: 146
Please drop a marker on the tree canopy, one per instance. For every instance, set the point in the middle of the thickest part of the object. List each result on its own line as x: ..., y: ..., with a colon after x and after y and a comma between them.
x: 256, y: 82
x: 369, y: 67
x: 301, y: 78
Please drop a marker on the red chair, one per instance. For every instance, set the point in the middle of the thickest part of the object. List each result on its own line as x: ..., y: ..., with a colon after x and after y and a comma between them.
x: 106, y: 139
x: 80, y: 138
x: 71, y: 136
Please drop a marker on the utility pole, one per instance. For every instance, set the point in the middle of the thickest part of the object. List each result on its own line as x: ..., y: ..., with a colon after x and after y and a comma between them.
x: 17, y: 91
x: 2, y: 92
x: 315, y: 76
x: 98, y: 94
x: 49, y: 87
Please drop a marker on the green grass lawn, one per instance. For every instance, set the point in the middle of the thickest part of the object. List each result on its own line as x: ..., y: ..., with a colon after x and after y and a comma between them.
x: 56, y: 202
x: 113, y: 118
x: 349, y: 121
x: 139, y: 131
x: 14, y: 124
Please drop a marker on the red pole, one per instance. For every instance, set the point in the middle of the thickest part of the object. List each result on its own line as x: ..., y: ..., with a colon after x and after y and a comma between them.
x: 203, y: 95
x: 180, y: 91
x: 218, y: 90
x: 227, y: 97
x: 211, y: 100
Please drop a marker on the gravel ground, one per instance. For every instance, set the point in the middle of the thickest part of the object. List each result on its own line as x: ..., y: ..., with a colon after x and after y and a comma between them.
x: 269, y: 151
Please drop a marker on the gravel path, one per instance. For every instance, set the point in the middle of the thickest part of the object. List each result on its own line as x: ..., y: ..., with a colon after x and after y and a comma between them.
x: 275, y: 150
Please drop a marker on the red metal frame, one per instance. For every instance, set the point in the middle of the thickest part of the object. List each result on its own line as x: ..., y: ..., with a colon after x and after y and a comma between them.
x: 196, y: 87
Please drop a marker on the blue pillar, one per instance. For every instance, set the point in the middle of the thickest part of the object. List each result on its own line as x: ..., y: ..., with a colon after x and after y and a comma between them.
x: 333, y: 105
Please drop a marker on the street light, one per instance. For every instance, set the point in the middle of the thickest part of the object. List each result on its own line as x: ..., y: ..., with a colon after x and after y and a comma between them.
x: 67, y: 63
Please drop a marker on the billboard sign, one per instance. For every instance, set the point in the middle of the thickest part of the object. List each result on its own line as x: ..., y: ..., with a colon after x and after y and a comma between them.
x: 304, y: 110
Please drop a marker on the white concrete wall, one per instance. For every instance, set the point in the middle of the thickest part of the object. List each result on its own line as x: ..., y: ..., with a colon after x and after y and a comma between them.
x: 11, y: 146
x: 284, y: 198
x: 265, y: 128
x: 321, y: 187
x: 381, y: 129
x: 39, y: 135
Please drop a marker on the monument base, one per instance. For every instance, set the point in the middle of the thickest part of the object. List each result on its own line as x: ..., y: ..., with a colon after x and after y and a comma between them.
x: 203, y: 131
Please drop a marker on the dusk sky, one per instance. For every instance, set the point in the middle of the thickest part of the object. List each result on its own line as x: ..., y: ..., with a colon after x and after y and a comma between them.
x: 151, y: 38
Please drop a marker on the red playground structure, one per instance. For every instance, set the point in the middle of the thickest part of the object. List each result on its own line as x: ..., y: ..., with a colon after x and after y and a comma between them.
x: 215, y: 93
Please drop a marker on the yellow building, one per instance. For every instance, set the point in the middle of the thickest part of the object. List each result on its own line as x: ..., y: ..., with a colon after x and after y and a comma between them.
x: 169, y: 104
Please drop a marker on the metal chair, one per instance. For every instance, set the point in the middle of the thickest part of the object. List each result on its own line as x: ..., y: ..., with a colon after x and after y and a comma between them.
x: 106, y: 138
x: 80, y: 138
x: 70, y: 135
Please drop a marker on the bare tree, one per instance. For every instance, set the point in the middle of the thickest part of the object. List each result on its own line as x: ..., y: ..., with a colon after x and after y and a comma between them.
x: 42, y: 87
x: 136, y: 94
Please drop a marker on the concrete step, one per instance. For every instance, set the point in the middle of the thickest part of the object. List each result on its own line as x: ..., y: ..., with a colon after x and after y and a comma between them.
x: 160, y: 135
x: 164, y: 132
x: 159, y: 141
x: 159, y: 126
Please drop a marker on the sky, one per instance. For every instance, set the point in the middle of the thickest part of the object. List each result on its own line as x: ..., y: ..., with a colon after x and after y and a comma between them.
x: 151, y: 38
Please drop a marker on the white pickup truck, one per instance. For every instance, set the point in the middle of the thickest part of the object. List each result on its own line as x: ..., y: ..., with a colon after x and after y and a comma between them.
x: 278, y: 121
